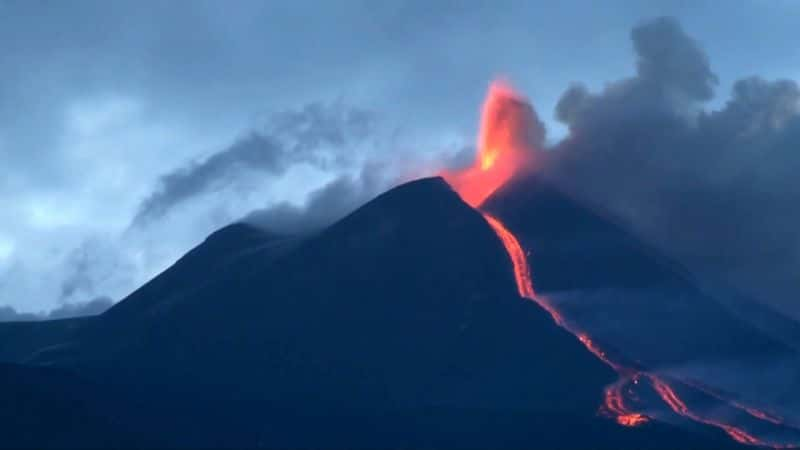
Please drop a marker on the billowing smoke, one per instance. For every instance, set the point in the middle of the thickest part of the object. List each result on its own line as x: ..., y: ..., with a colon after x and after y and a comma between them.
x: 715, y: 189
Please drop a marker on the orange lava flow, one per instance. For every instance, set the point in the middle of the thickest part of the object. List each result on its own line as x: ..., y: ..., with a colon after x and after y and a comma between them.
x: 614, y: 404
x: 598, y: 352
x: 522, y: 272
x: 522, y: 275
x: 505, y: 145
x: 679, y: 407
x: 757, y: 413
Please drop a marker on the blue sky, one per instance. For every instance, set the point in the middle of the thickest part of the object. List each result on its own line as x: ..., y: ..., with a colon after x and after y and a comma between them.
x: 100, y: 103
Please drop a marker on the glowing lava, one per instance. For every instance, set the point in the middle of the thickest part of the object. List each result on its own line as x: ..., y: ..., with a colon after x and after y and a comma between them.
x: 614, y: 395
x: 679, y: 407
x: 506, y: 145
x: 614, y: 404
x: 522, y: 272
x: 507, y: 142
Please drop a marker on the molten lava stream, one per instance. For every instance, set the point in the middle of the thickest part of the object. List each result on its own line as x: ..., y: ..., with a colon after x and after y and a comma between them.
x: 614, y: 396
x: 614, y: 402
x: 679, y: 406
x: 509, y: 139
x: 522, y: 273
x: 755, y: 412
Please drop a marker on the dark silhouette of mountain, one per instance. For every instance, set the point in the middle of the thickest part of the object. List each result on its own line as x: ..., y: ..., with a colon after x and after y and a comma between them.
x: 52, y: 408
x: 398, y: 326
x: 643, y: 305
x: 577, y: 250
x: 20, y: 341
x: 195, y: 268
x: 763, y: 317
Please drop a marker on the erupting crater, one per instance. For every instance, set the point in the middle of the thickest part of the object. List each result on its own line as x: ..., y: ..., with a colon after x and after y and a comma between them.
x: 508, y: 134
x: 507, y: 145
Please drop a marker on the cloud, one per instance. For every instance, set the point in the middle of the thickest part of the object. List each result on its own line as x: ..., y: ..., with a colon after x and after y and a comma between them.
x: 713, y: 188
x: 95, y: 266
x: 9, y: 314
x: 92, y: 307
x: 319, y: 134
x: 668, y: 59
x: 91, y: 117
x: 673, y: 74
x: 324, y: 205
x: 65, y: 311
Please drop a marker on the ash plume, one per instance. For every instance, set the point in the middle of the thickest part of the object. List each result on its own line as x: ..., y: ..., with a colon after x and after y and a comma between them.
x: 714, y: 188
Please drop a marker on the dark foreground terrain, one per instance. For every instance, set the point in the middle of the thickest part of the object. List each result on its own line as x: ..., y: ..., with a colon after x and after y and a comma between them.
x: 398, y: 326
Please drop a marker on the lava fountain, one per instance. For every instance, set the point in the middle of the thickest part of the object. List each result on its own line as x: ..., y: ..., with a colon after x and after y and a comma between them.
x: 510, y: 137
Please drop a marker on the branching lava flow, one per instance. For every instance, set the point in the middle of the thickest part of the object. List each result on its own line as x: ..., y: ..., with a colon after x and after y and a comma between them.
x: 502, y: 151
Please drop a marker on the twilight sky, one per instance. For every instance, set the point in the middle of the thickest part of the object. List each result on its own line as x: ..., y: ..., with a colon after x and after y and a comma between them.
x: 131, y: 130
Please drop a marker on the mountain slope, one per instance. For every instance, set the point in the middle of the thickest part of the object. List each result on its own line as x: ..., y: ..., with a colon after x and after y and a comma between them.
x: 577, y: 252
x: 48, y: 408
x: 19, y: 341
x: 398, y: 326
x: 398, y: 297
x: 647, y: 309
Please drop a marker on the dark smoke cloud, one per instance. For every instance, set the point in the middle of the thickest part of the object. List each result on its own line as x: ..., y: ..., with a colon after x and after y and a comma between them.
x: 319, y: 134
x: 65, y: 311
x: 714, y: 188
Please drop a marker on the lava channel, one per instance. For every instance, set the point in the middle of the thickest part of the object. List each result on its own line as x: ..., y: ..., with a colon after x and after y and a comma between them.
x: 505, y: 147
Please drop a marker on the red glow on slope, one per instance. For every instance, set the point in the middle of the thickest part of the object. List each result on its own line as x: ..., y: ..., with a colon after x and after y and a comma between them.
x: 522, y: 275
x: 757, y: 413
x: 614, y: 404
x: 505, y: 145
x: 614, y: 396
x: 678, y: 406
x: 597, y: 351
x: 504, y: 148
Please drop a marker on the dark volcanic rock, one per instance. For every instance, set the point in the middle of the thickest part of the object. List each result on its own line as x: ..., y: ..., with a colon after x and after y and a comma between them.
x: 635, y: 301
x: 51, y: 408
x: 398, y: 326
x: 581, y: 259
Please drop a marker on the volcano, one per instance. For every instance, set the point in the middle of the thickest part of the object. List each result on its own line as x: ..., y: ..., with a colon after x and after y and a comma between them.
x: 482, y: 309
x: 511, y: 193
x: 400, y: 325
x: 646, y: 317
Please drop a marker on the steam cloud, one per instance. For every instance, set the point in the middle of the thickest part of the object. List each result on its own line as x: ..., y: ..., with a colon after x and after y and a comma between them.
x: 714, y: 188
x: 316, y: 134
x: 325, y: 205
